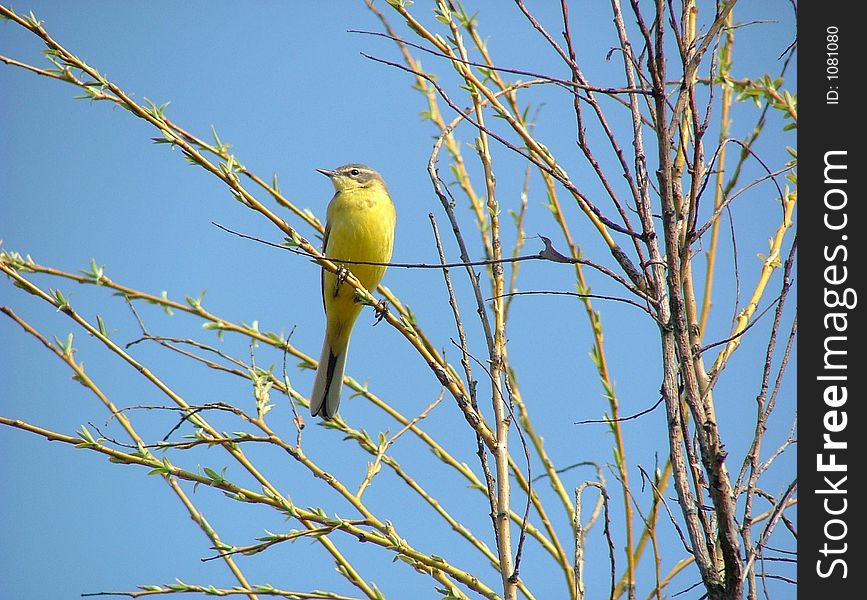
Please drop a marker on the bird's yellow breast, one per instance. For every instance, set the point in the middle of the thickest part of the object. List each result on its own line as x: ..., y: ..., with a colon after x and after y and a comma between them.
x: 360, y: 228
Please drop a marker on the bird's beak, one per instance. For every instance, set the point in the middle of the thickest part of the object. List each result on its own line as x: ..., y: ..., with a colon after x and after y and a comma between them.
x: 327, y: 172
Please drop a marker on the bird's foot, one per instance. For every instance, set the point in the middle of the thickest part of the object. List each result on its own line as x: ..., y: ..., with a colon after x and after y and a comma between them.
x: 381, y: 309
x: 342, y: 274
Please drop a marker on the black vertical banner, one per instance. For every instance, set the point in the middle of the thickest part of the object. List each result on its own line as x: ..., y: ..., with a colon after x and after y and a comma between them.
x: 832, y: 461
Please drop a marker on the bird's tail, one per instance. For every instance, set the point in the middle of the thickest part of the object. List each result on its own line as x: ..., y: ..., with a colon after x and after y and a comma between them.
x: 329, y: 379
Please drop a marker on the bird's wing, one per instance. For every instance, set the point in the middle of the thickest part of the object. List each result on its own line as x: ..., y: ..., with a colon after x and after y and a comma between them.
x: 324, y: 251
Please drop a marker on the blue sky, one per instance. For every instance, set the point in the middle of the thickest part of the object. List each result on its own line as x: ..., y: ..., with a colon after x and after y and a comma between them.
x: 287, y: 87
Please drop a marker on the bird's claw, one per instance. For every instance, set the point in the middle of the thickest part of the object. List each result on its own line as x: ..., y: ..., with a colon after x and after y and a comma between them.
x: 342, y: 274
x: 381, y: 309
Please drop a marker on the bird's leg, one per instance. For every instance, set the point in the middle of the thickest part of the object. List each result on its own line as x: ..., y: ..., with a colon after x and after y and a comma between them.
x: 342, y: 274
x: 381, y: 309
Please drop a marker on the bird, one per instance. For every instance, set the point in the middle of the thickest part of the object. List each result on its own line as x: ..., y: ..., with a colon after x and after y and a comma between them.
x: 359, y: 227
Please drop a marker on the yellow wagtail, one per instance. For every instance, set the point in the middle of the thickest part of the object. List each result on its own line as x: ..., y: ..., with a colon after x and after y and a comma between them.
x: 359, y: 227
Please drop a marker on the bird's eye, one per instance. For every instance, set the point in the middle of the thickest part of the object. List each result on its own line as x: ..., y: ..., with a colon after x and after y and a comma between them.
x: 354, y: 172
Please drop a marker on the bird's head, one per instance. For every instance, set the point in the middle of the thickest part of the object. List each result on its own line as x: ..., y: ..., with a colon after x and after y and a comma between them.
x: 352, y: 177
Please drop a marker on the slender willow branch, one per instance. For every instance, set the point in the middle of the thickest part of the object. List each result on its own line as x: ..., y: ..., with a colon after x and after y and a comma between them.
x: 549, y: 253
x: 180, y: 587
x: 565, y: 83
